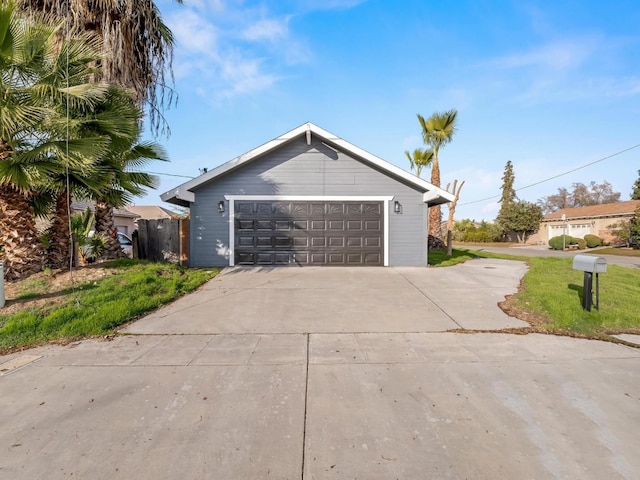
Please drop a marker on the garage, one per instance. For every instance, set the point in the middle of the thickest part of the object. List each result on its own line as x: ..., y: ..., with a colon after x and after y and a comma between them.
x: 309, y: 233
x: 307, y: 197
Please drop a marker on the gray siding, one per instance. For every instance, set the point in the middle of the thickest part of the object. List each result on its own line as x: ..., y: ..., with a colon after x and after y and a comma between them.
x: 300, y: 169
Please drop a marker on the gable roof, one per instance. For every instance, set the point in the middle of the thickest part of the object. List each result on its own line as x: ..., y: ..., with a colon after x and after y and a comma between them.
x: 615, y: 209
x: 183, y: 194
x: 150, y: 212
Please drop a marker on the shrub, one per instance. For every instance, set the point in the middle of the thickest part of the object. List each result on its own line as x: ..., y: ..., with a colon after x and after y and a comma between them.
x: 556, y: 242
x: 593, y: 241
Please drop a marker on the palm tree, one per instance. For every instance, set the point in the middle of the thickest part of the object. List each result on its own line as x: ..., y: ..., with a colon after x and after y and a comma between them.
x: 138, y: 46
x: 437, y: 131
x: 127, y: 182
x: 419, y: 159
x: 40, y: 74
x: 120, y: 177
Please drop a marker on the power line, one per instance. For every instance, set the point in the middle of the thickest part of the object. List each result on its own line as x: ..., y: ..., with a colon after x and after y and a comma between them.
x: 556, y: 176
x: 170, y: 175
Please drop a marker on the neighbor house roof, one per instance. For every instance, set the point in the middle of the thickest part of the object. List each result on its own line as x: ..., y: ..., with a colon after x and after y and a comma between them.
x: 183, y: 194
x: 151, y: 212
x: 81, y: 206
x: 615, y: 209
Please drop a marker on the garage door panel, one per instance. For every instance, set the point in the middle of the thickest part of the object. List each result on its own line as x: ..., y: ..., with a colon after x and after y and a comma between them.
x: 372, y: 242
x: 264, y: 209
x: 244, y: 241
x: 281, y: 209
x: 316, y: 209
x: 372, y: 225
x: 372, y: 259
x: 244, y: 208
x: 318, y: 258
x: 263, y: 225
x: 300, y: 242
x: 318, y: 242
x: 354, y: 242
x: 337, y: 258
x: 283, y: 242
x: 265, y: 258
x: 244, y: 225
x: 309, y: 233
x: 335, y: 209
x: 282, y: 225
x: 353, y: 209
x: 372, y: 208
x: 318, y: 225
x: 354, y: 225
x: 298, y: 209
x: 336, y: 242
x: 283, y: 258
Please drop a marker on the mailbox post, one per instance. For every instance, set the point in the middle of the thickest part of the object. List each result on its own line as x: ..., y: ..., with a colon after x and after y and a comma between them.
x: 590, y: 264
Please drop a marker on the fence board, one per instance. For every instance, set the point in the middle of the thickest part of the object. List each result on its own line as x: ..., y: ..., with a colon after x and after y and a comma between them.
x: 159, y: 240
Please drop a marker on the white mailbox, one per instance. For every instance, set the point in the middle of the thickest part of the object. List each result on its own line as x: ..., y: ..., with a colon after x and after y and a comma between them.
x: 590, y: 263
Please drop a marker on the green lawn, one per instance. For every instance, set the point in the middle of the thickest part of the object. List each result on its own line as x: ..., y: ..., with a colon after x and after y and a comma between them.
x: 552, y: 290
x: 623, y: 252
x: 97, y: 307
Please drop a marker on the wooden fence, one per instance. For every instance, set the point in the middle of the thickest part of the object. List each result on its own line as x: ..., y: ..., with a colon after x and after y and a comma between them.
x: 165, y: 240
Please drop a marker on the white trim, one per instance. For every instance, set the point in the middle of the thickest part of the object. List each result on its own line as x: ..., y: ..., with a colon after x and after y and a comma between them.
x: 433, y: 195
x: 310, y: 198
x: 328, y: 198
x: 232, y: 231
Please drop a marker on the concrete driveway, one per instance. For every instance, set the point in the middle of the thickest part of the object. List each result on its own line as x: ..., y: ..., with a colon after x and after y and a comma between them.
x: 326, y: 374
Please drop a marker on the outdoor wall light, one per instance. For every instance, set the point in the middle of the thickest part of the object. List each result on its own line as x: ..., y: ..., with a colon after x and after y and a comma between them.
x: 221, y: 206
x: 397, y: 207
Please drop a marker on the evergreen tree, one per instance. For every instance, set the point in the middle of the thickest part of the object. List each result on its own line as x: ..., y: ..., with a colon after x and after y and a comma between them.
x: 508, y: 197
x: 635, y: 193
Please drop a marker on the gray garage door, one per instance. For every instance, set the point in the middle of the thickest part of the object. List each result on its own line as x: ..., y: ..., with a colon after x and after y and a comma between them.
x: 308, y: 233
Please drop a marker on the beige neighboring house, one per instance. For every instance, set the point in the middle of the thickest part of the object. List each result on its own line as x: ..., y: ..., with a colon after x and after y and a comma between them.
x: 595, y: 220
x: 151, y: 212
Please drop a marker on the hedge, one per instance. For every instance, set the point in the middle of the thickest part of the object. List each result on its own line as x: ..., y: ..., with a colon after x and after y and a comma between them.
x: 593, y: 241
x: 556, y: 242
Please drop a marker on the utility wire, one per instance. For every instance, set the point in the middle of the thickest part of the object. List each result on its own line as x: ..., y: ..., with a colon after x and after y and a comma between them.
x: 556, y: 176
x: 171, y: 175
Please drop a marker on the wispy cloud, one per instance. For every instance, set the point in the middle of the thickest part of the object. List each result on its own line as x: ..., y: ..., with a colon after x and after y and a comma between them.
x: 269, y: 29
x: 565, y: 70
x: 561, y: 55
x: 237, y: 48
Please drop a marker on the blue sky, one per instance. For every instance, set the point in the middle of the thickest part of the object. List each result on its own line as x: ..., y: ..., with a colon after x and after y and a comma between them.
x: 549, y: 85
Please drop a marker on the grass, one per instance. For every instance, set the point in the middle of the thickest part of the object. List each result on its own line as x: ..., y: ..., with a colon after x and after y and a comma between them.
x: 623, y: 252
x: 552, y: 291
x: 98, y: 307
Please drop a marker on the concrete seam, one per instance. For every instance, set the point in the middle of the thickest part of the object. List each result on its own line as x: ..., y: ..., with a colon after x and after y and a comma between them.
x: 424, y: 294
x: 304, y: 416
x: 255, y: 348
x: 200, y: 351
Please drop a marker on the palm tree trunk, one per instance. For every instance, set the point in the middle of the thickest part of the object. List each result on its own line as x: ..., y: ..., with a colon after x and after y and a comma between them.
x: 106, y: 226
x: 59, y: 251
x: 22, y: 253
x: 435, y: 214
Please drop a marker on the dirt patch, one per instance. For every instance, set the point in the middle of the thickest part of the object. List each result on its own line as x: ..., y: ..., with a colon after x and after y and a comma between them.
x: 50, y: 288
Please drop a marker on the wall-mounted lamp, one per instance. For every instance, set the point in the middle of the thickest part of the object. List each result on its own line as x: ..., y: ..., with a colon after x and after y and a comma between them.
x: 397, y: 207
x: 221, y: 206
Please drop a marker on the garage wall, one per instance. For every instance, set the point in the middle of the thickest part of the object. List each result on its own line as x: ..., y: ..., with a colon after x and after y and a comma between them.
x: 301, y: 169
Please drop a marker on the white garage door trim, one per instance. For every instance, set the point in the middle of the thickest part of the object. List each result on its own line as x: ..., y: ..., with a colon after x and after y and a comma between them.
x: 328, y: 198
